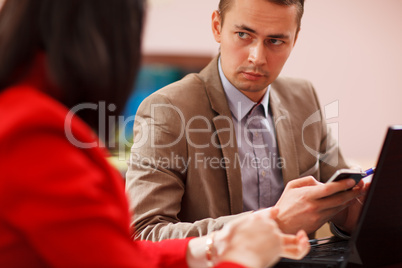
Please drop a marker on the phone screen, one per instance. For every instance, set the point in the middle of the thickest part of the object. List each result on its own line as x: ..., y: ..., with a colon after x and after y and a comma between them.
x: 347, y: 174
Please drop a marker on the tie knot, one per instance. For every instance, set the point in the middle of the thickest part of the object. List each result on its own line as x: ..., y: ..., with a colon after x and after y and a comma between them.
x: 257, y: 110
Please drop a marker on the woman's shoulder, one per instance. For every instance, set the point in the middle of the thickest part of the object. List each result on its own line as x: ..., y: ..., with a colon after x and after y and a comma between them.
x: 25, y: 104
x: 24, y: 108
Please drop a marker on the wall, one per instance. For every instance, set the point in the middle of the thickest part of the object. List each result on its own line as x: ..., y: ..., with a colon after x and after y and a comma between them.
x: 180, y: 26
x: 350, y: 49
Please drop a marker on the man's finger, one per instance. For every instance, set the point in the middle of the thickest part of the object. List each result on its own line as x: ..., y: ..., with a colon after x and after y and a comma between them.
x: 331, y: 188
x: 305, y: 181
x: 339, y: 198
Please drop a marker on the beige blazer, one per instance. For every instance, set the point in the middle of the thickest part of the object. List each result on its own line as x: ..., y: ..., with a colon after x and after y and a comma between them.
x: 184, y: 175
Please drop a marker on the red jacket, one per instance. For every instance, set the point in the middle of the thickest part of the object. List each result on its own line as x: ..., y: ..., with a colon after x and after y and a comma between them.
x: 60, y: 205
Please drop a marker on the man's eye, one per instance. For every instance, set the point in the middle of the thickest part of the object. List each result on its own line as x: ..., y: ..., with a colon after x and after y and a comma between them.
x: 242, y: 35
x: 276, y: 42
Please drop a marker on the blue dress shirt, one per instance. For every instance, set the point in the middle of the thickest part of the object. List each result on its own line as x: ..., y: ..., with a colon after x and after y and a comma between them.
x: 257, y: 148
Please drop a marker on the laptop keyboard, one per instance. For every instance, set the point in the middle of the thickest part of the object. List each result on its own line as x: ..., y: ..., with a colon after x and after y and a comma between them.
x: 326, y: 252
x: 321, y: 248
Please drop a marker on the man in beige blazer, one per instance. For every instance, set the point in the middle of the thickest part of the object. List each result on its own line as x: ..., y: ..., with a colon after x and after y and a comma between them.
x: 185, y: 172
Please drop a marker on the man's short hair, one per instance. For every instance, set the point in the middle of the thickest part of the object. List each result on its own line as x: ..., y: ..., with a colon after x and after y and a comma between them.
x: 224, y: 6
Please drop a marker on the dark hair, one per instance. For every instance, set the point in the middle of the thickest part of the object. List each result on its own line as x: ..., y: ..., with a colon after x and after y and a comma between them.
x: 92, y: 47
x: 224, y: 6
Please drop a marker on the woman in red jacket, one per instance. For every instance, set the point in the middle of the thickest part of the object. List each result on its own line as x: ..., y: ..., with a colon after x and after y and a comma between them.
x: 61, y: 203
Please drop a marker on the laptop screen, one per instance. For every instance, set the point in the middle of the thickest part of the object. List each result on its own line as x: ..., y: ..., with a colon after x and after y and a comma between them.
x: 378, y: 236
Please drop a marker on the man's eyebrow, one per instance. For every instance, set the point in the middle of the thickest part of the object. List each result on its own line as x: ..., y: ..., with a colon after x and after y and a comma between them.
x: 278, y: 36
x: 275, y: 36
x: 244, y: 27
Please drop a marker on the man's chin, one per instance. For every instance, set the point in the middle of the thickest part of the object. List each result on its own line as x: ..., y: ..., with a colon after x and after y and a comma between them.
x: 252, y: 88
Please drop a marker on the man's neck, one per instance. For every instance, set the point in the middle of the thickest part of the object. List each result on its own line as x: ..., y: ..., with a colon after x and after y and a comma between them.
x: 255, y: 96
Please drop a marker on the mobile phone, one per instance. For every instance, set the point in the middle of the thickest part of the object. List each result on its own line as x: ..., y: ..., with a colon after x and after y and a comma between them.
x: 342, y: 174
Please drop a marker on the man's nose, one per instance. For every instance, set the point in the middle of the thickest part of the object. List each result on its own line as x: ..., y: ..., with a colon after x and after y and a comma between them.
x: 257, y: 54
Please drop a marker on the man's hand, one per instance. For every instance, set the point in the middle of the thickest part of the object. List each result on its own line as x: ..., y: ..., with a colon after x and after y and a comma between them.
x: 347, y: 218
x: 307, y: 204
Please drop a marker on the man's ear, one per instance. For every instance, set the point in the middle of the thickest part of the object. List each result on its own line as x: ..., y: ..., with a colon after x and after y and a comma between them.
x: 216, y: 25
x: 296, y: 37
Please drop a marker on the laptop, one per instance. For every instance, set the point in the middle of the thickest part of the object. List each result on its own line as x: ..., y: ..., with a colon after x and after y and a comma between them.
x: 377, y: 240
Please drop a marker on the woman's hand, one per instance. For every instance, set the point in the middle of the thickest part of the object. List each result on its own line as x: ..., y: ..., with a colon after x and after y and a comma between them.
x: 253, y: 240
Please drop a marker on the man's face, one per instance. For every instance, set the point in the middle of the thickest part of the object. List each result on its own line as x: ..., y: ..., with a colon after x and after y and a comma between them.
x: 256, y: 39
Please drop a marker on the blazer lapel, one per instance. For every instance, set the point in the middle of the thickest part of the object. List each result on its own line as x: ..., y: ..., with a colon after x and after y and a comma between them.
x: 285, y: 137
x: 226, y: 134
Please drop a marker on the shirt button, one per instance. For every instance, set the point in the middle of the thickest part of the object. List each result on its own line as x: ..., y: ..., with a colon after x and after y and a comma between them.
x: 263, y: 173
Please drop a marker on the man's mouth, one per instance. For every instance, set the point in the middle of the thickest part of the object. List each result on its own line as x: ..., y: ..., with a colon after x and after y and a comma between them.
x: 252, y: 76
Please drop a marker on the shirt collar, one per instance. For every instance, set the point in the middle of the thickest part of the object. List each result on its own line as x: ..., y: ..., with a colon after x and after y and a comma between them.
x: 240, y: 104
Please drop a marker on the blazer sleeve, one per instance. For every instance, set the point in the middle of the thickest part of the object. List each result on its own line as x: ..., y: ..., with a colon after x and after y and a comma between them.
x: 156, y: 176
